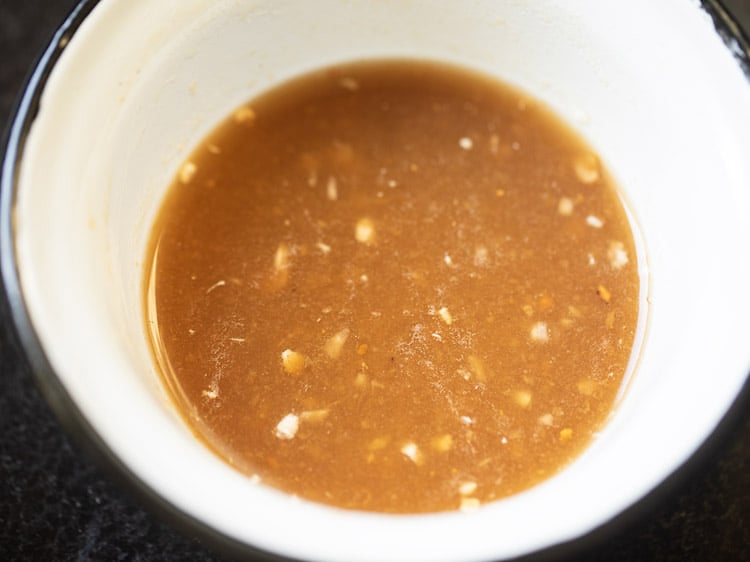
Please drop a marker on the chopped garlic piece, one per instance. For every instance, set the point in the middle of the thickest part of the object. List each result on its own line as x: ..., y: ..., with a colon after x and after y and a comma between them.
x: 445, y: 316
x: 586, y: 168
x: 469, y: 504
x: 466, y: 143
x: 467, y: 488
x: 293, y: 362
x: 281, y: 257
x: 365, y: 231
x: 335, y: 343
x: 594, y: 221
x: 539, y: 332
x: 287, y: 428
x: 360, y: 381
x: 604, y: 293
x: 565, y: 206
x: 187, y: 171
x: 412, y: 452
x: 522, y: 398
x: 332, y: 189
x: 617, y: 255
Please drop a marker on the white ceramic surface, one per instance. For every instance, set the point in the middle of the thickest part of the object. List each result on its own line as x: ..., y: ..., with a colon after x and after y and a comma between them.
x: 649, y: 84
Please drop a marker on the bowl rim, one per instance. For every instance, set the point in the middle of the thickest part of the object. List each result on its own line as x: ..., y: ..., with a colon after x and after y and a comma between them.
x: 16, y: 316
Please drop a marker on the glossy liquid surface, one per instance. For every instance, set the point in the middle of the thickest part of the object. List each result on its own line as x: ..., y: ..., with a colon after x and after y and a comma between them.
x: 394, y: 286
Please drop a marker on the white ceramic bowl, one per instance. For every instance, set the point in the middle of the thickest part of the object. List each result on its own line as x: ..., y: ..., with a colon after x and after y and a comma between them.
x: 129, y: 86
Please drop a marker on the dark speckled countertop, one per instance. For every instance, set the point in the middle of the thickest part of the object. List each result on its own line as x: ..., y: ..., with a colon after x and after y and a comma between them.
x: 57, y: 504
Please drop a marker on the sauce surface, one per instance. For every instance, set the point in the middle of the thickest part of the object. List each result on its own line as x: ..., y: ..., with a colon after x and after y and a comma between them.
x: 394, y: 286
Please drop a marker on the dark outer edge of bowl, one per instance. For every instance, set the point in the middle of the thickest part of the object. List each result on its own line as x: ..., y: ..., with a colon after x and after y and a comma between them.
x: 734, y: 37
x: 86, y: 437
x: 13, y: 305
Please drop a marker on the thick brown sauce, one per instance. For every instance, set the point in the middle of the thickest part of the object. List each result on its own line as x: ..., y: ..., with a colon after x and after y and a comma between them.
x: 394, y: 286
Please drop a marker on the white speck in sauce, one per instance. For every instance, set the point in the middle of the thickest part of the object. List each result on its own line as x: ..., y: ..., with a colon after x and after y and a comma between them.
x: 212, y: 393
x: 293, y: 361
x: 215, y: 286
x: 325, y: 249
x: 412, y: 452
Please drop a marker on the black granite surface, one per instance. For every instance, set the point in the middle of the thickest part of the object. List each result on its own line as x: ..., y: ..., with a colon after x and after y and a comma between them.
x: 57, y: 504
